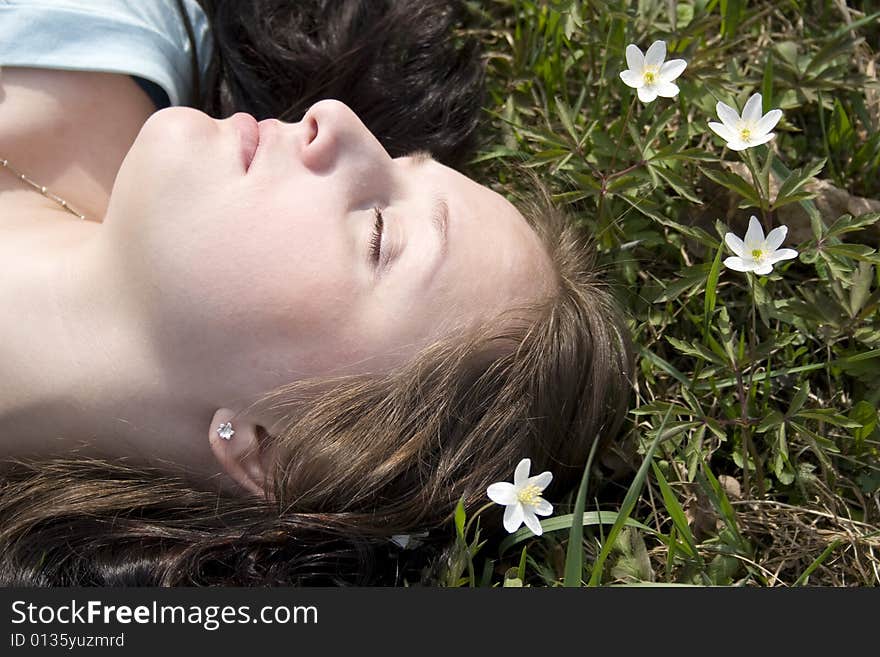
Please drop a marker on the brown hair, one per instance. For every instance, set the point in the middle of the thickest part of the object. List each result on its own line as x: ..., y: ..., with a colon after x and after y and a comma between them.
x: 360, y: 457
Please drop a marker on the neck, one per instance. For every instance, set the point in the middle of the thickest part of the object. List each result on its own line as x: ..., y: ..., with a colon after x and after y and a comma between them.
x: 79, y: 375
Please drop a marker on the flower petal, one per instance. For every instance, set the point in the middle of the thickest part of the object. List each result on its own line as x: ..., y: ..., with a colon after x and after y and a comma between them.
x: 542, y: 480
x: 768, y: 121
x: 762, y: 139
x: 752, y: 109
x: 775, y: 237
x: 781, y: 254
x: 763, y: 269
x: 513, y: 517
x: 727, y: 114
x: 739, y: 264
x: 754, y: 235
x: 521, y: 474
x: 502, y: 493
x: 737, y: 144
x: 635, y: 60
x: 722, y: 131
x: 632, y: 79
x: 543, y: 508
x: 672, y: 69
x: 532, y: 522
x: 736, y: 245
x: 667, y: 89
x: 656, y: 54
x: 647, y: 93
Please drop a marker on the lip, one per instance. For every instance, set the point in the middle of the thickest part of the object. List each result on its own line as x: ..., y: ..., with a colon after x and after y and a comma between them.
x: 249, y: 130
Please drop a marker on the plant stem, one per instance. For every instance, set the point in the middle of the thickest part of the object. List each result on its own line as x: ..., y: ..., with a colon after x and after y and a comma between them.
x: 604, y: 191
x: 622, y: 130
x: 763, y: 195
x: 753, y: 351
x: 470, y: 521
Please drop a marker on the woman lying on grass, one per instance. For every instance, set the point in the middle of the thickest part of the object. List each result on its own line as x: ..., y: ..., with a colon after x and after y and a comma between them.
x: 270, y: 348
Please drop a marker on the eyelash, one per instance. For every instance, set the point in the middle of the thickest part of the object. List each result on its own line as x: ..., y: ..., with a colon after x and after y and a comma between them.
x: 376, y: 241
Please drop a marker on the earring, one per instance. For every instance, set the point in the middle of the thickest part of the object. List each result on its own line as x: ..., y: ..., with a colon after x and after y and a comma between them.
x: 225, y: 431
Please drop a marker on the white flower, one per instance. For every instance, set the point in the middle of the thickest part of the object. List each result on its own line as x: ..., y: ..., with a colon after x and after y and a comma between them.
x: 752, y: 129
x: 755, y: 253
x: 522, y: 498
x: 647, y: 73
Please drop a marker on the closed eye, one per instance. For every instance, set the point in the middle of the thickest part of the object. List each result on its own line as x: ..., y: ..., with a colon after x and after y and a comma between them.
x: 376, y: 241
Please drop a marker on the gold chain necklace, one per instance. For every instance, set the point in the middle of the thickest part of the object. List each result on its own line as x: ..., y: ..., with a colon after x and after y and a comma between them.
x: 40, y: 188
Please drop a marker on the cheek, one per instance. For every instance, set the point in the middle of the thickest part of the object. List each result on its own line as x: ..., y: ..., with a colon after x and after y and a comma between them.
x: 251, y: 280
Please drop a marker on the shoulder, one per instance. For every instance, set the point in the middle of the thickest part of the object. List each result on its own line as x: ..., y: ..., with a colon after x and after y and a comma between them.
x: 148, y: 39
x: 68, y: 130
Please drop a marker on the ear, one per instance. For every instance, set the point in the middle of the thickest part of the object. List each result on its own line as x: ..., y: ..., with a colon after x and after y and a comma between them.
x: 242, y: 457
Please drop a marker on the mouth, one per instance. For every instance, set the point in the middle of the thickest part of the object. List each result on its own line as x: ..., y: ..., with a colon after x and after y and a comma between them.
x: 249, y: 130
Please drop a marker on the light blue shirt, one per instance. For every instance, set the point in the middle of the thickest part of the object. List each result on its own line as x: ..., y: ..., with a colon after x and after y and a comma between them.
x: 142, y: 38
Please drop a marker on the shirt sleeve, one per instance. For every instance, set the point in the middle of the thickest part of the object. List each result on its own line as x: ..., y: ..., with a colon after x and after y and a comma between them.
x: 143, y: 38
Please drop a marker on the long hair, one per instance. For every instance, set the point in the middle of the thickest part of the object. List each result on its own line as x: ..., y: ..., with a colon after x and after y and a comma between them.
x: 394, y: 62
x: 360, y: 458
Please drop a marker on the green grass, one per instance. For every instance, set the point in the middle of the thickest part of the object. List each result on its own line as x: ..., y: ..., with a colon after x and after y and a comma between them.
x: 750, y: 455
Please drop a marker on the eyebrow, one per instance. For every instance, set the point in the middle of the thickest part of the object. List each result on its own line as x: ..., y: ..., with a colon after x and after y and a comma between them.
x: 439, y: 207
x: 440, y: 219
x: 421, y: 156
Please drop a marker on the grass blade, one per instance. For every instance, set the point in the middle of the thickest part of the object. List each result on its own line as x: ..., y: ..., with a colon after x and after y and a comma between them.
x: 574, y: 557
x: 628, y: 505
x: 711, y: 286
x: 676, y: 512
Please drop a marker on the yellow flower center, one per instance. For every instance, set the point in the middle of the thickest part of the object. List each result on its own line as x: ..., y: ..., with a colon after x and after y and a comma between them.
x: 650, y: 77
x: 745, y: 134
x: 530, y: 495
x: 757, y: 254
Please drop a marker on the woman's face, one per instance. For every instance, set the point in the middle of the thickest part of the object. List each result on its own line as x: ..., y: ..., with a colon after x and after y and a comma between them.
x: 247, y: 277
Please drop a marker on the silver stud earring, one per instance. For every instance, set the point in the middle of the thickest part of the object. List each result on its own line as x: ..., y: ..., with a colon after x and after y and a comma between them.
x: 225, y: 431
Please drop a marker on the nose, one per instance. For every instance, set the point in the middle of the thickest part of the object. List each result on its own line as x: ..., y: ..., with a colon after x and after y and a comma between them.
x: 337, y: 138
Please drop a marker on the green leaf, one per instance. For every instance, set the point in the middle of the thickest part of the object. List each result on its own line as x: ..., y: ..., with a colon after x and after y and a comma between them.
x: 771, y: 420
x: 833, y: 48
x: 849, y: 27
x: 694, y: 232
x: 818, y: 561
x: 658, y: 124
x: 794, y: 182
x: 860, y: 292
x: 563, y: 522
x: 664, y: 365
x: 675, y: 512
x: 781, y: 464
x: 866, y: 415
x: 830, y: 416
x: 677, y: 183
x: 564, y: 113
x: 460, y: 518
x: 781, y: 172
x: 854, y: 251
x: 718, y: 499
x: 734, y: 183
x: 694, y: 349
x: 711, y: 287
x: 521, y: 570
x: 675, y: 152
x: 847, y: 223
x: 677, y: 288
x: 797, y: 402
x: 731, y: 14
